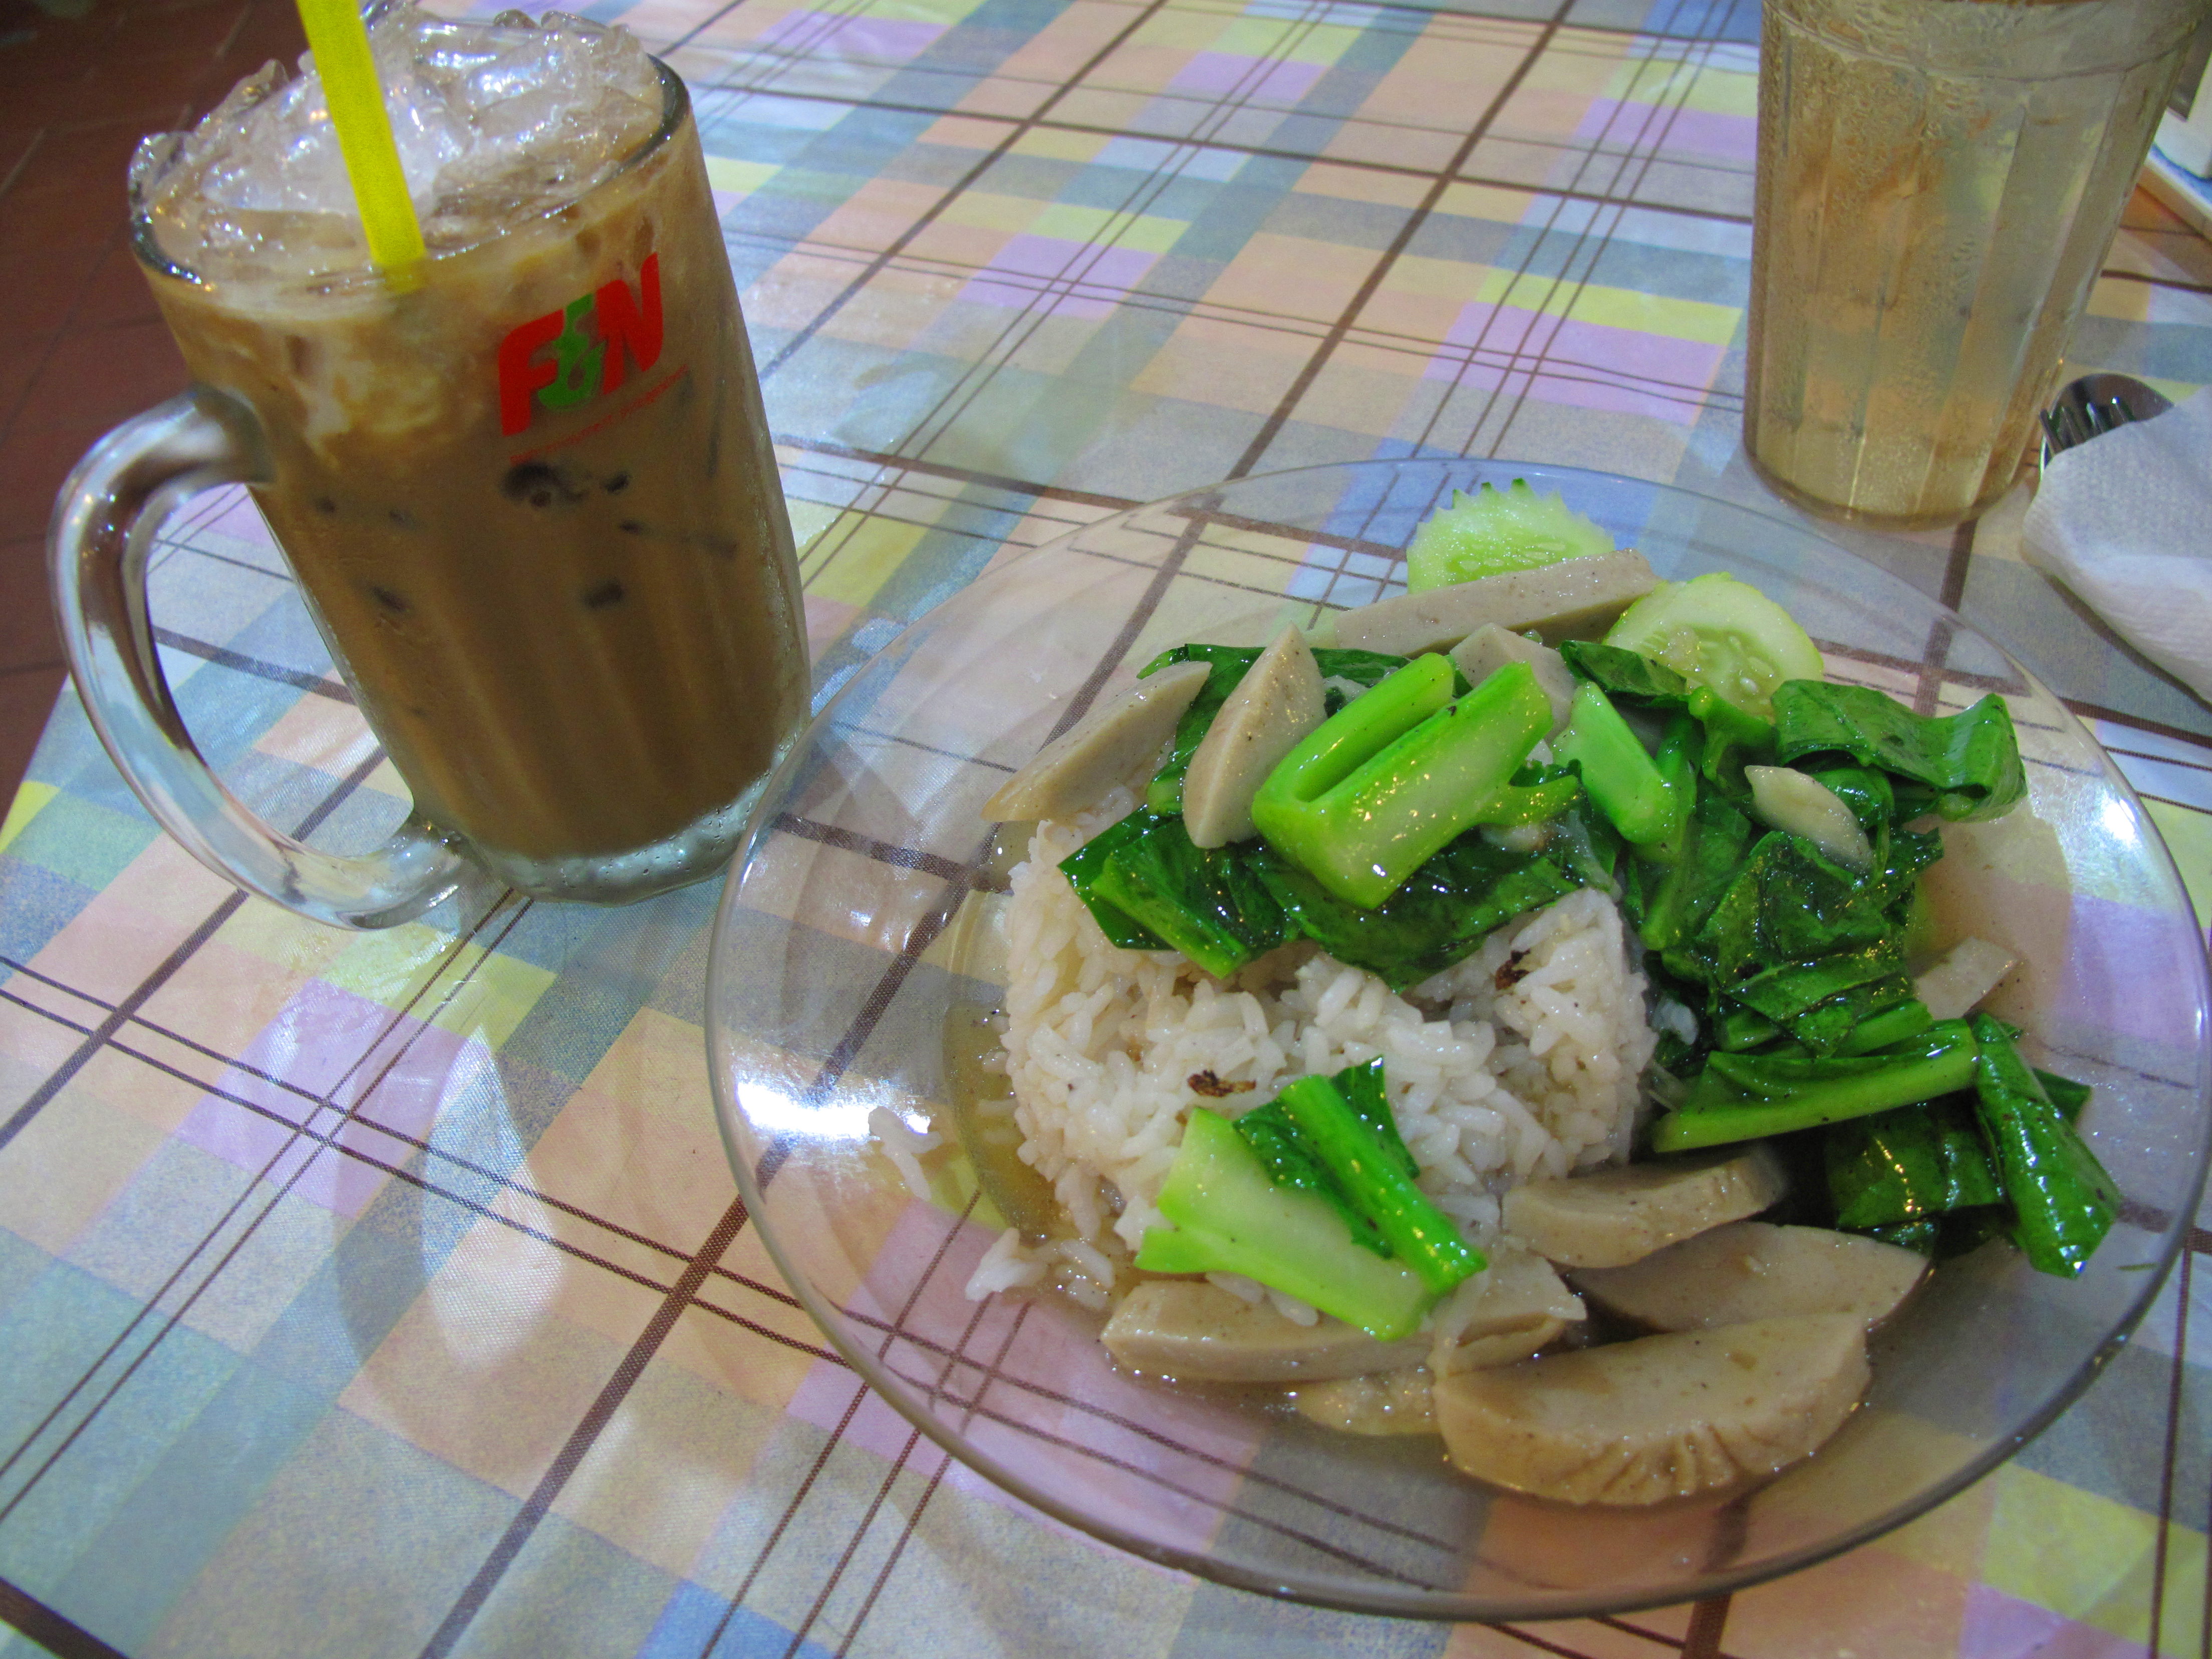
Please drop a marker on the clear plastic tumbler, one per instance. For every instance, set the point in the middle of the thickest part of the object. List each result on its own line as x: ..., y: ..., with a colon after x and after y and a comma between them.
x: 1939, y: 181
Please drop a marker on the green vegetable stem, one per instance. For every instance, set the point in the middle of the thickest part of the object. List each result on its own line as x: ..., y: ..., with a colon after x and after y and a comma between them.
x: 1535, y: 794
x: 1898, y: 1023
x: 1680, y: 772
x: 2064, y: 1201
x: 1392, y: 778
x: 1824, y: 1003
x: 1291, y: 1161
x: 1905, y: 1017
x: 1740, y: 1029
x: 1733, y: 738
x: 1275, y: 1141
x: 1750, y: 1097
x: 1644, y: 803
x: 1379, y: 1185
x: 1230, y: 1218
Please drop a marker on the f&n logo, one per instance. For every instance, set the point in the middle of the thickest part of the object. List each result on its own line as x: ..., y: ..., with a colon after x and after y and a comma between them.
x: 593, y: 338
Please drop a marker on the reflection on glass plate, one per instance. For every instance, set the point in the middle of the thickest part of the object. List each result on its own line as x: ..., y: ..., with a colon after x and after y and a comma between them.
x: 853, y: 969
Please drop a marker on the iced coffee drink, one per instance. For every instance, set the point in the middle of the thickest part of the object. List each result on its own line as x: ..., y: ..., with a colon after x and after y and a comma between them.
x: 527, y: 490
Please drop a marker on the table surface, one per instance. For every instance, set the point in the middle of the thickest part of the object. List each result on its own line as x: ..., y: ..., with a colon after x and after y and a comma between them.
x: 378, y: 1294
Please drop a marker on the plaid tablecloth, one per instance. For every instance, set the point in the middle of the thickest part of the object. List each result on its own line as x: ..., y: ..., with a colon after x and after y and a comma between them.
x: 384, y: 1294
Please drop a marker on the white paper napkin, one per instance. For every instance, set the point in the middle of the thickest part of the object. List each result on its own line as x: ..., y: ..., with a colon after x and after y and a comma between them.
x: 2125, y: 520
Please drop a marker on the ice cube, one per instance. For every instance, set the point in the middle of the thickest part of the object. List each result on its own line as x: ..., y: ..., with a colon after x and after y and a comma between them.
x: 491, y: 121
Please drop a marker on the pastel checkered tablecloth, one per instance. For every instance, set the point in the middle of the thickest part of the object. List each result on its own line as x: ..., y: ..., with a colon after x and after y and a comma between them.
x: 384, y: 1294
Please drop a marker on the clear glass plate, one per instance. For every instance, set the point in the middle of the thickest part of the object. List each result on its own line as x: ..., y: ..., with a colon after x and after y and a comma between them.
x: 854, y: 965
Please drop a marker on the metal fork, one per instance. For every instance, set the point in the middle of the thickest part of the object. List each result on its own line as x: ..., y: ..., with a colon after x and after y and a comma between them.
x: 2091, y: 406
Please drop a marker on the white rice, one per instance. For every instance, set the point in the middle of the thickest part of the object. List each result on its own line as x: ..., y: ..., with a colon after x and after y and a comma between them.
x: 904, y: 1145
x: 1522, y: 1062
x: 1005, y: 1266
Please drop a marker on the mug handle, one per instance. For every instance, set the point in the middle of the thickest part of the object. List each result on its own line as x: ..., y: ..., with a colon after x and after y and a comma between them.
x: 103, y: 533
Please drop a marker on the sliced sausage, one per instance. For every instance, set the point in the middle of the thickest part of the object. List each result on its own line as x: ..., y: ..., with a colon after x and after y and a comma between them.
x: 1396, y: 1402
x: 1099, y: 750
x: 1659, y: 1418
x: 1490, y: 648
x: 1512, y: 1308
x: 1754, y: 1270
x: 1277, y: 703
x: 1573, y: 599
x: 1619, y: 1216
x: 1188, y: 1328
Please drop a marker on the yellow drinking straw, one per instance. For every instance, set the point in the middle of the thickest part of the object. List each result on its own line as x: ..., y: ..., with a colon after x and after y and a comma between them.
x: 340, y: 42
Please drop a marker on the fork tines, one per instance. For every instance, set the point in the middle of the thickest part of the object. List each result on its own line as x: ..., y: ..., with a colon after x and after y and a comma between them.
x: 2068, y: 423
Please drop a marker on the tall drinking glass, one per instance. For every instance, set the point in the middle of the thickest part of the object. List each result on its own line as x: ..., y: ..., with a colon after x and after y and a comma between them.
x: 529, y: 494
x: 1939, y: 181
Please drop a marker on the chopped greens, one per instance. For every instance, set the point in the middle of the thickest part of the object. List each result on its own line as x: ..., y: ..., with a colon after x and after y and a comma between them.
x: 1087, y: 863
x: 1968, y: 764
x: 1898, y: 1023
x: 1793, y: 935
x: 1208, y: 904
x: 2068, y: 1095
x: 1800, y: 803
x: 1740, y: 1029
x: 1830, y: 1023
x: 1730, y: 736
x: 1413, y: 823
x: 1670, y: 908
x: 2063, y: 1200
x: 1440, y: 914
x: 1626, y: 677
x: 1275, y: 1142
x: 1865, y: 790
x: 1376, y: 1184
x: 1788, y: 903
x: 1907, y: 1165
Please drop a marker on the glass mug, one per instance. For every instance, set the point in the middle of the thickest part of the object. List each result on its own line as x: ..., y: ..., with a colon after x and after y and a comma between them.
x: 1939, y: 181
x: 531, y: 504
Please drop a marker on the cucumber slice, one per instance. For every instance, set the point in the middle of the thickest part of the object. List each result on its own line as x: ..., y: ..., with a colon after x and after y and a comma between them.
x: 1723, y: 634
x: 1494, y: 531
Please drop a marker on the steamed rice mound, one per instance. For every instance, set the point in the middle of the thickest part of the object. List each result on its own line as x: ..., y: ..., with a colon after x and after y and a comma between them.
x: 1522, y: 1062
